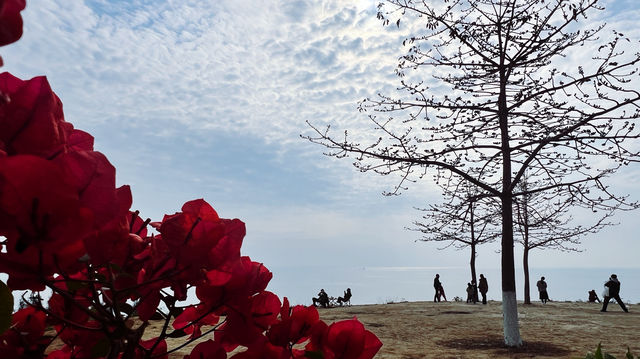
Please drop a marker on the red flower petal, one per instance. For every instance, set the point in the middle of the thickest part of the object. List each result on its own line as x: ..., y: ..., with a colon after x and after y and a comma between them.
x: 200, y: 208
x: 160, y: 351
x: 32, y: 122
x: 207, y: 350
x: 38, y: 206
x: 10, y: 20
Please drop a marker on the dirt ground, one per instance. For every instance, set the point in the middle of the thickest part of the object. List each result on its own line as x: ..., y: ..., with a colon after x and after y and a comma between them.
x: 458, y: 330
x: 417, y: 330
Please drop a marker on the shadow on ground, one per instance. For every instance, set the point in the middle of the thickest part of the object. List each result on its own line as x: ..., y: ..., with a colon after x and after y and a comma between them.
x: 496, y: 344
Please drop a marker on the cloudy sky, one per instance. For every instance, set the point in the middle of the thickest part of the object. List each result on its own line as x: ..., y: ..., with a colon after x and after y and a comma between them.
x: 207, y: 99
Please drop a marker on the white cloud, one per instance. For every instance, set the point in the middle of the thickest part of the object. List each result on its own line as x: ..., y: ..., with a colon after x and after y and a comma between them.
x: 243, y: 66
x: 255, y: 70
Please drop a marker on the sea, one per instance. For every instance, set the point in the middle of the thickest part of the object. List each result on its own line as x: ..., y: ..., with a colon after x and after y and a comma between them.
x: 381, y: 285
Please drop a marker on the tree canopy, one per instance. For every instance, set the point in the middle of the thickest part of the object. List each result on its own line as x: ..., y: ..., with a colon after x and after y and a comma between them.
x: 487, y: 93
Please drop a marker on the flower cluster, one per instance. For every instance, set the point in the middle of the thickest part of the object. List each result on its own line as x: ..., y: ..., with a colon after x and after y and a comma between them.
x: 66, y: 227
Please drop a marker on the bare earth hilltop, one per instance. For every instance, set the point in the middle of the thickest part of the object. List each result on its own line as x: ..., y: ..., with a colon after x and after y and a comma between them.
x: 447, y: 330
x: 415, y: 330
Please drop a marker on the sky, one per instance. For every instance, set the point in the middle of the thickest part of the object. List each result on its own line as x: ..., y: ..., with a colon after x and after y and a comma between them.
x: 208, y: 99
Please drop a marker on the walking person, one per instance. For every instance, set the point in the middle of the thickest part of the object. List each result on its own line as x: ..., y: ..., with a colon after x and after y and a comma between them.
x: 612, y: 290
x: 437, y: 285
x: 483, y: 286
x: 542, y: 288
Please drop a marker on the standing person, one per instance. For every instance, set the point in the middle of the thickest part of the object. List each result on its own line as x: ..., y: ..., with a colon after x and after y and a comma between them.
x: 437, y: 285
x: 484, y: 288
x: 542, y: 288
x: 614, y: 292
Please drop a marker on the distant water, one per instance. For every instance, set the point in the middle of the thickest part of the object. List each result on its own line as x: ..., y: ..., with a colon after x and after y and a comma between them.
x: 377, y: 285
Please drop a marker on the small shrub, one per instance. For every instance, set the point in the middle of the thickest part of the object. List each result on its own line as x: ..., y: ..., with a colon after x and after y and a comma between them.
x: 600, y: 355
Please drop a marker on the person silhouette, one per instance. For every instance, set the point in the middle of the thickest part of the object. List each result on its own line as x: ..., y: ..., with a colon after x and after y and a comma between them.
x: 437, y: 285
x: 441, y: 293
x: 346, y: 297
x: 469, y: 293
x: 593, y: 296
x: 323, y: 299
x: 613, y: 284
x: 474, y: 295
x: 542, y: 288
x: 483, y: 286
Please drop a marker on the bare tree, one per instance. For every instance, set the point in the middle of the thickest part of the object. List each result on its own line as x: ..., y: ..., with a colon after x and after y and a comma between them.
x: 464, y: 220
x: 544, y: 221
x: 486, y: 93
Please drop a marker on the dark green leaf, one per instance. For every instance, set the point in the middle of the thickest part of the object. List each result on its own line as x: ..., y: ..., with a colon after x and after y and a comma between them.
x: 313, y: 354
x: 101, y: 348
x: 74, y: 285
x: 629, y: 355
x: 598, y: 354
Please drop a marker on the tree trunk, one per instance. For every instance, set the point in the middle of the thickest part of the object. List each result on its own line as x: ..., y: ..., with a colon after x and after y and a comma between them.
x: 525, y: 267
x: 472, y: 261
x: 511, y: 327
x: 473, y: 270
x: 524, y: 219
x: 509, y: 304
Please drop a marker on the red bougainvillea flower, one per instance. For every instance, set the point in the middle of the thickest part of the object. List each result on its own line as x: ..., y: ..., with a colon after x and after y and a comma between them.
x: 247, y: 320
x: 294, y: 326
x: 199, y: 241
x: 38, y: 206
x: 70, y: 308
x: 63, y: 353
x: 80, y: 141
x: 83, y: 342
x: 95, y: 178
x: 10, y: 20
x: 264, y: 350
x: 25, y: 334
x: 41, y: 217
x: 228, y: 247
x: 236, y: 281
x: 207, y: 350
x: 160, y: 351
x: 32, y: 122
x: 27, y: 269
x: 192, y: 234
x: 346, y: 339
x: 192, y: 319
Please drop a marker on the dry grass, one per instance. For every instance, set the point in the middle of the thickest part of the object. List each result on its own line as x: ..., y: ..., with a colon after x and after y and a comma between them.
x: 459, y: 330
x: 450, y: 330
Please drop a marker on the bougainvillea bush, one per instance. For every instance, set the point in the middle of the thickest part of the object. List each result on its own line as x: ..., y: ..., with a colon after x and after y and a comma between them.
x: 66, y: 227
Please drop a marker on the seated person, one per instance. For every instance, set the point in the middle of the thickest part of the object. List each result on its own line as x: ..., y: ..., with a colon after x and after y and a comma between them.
x: 441, y: 293
x: 346, y: 298
x: 593, y: 296
x: 323, y: 299
x: 469, y: 293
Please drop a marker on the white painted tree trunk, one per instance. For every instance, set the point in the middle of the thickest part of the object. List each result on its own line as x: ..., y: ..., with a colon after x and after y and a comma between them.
x: 510, y: 319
